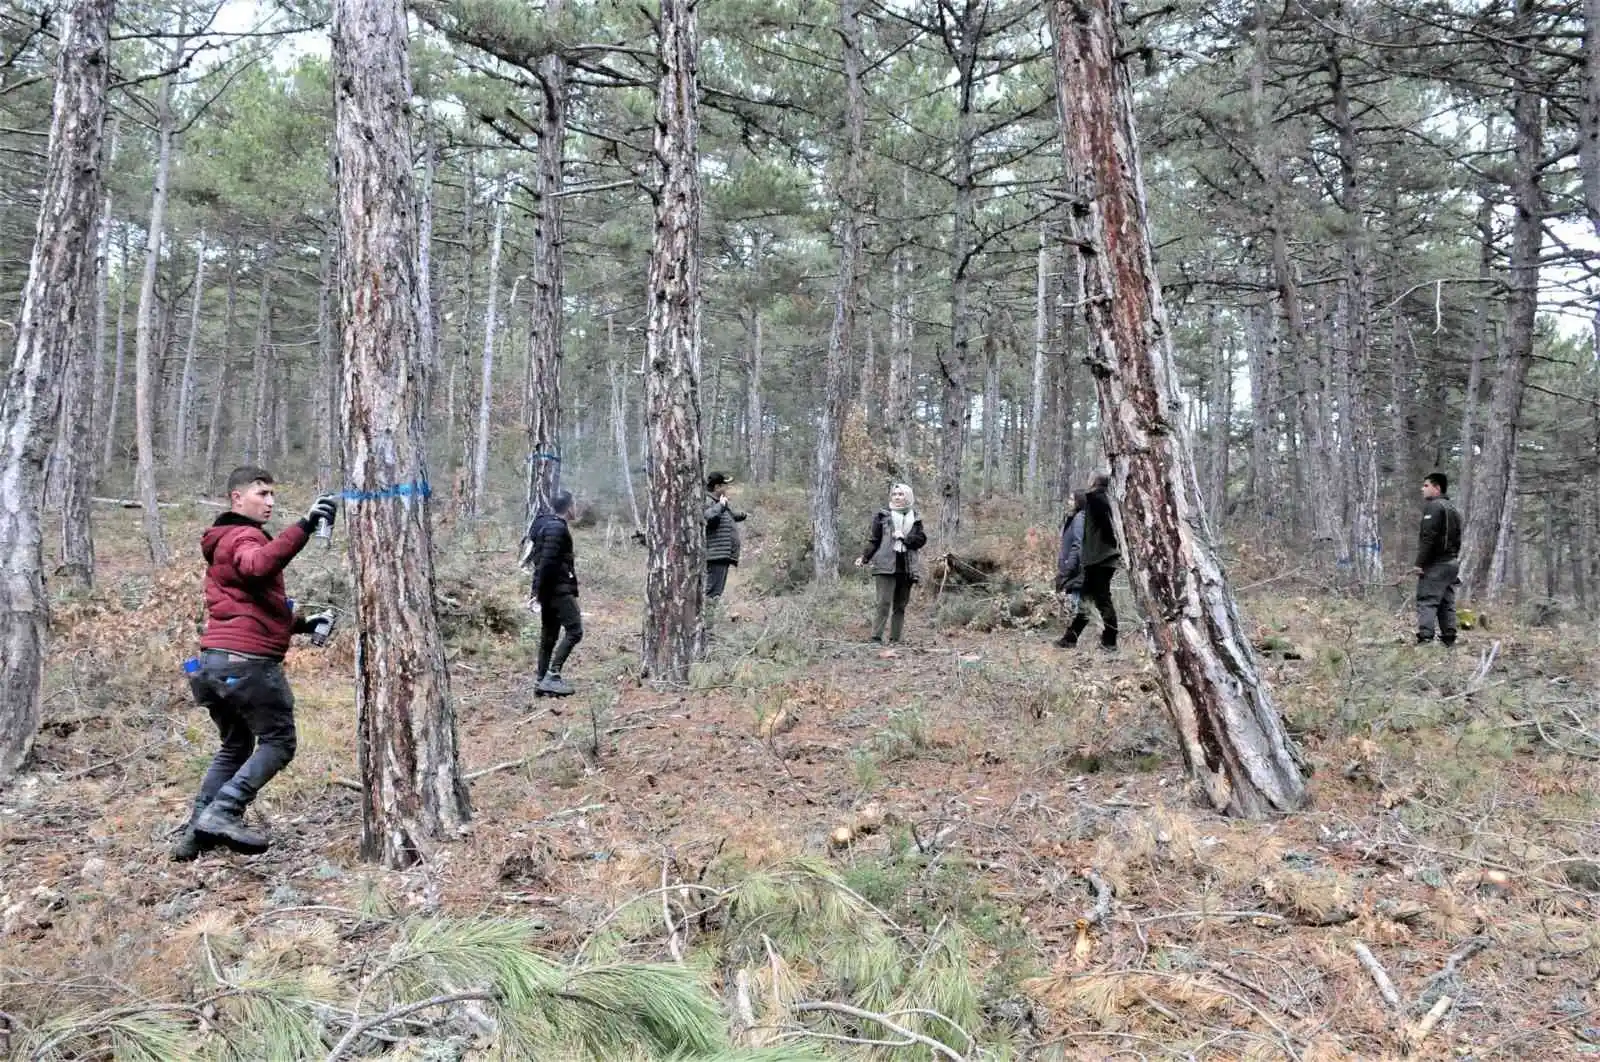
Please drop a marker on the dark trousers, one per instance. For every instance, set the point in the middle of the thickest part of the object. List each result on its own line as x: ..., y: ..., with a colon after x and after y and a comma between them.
x: 894, y: 591
x: 253, y: 707
x: 1097, y: 591
x: 1436, y: 601
x: 717, y: 578
x: 560, y: 631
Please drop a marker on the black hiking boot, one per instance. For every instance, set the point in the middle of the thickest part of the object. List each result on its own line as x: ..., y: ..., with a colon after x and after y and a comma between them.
x: 189, y: 845
x: 222, y: 823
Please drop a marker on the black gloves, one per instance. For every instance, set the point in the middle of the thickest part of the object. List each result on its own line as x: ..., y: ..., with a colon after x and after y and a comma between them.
x: 323, y: 509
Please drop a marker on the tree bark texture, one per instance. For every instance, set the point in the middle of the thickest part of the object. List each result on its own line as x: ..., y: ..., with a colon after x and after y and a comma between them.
x: 955, y: 366
x: 413, y: 791
x: 674, y: 632
x: 1232, y: 737
x: 478, y: 470
x: 55, y: 298
x: 115, y: 401
x: 1494, y: 472
x: 325, y: 388
x: 1589, y: 113
x: 182, y: 430
x: 146, y: 348
x: 841, y: 335
x: 546, y: 321
x: 1041, y: 332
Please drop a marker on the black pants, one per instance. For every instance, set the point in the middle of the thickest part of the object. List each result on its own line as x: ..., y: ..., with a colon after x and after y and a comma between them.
x: 253, y: 707
x: 1097, y: 591
x: 560, y: 631
x: 1436, y: 601
x: 717, y: 577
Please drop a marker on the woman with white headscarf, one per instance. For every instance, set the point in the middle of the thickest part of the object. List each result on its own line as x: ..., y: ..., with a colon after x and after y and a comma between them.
x: 893, y: 552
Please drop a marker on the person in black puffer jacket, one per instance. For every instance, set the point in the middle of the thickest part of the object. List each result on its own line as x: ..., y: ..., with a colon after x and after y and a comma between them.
x: 555, y: 588
x: 722, y: 534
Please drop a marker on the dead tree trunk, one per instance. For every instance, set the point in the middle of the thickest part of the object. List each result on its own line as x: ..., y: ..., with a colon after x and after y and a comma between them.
x: 754, y: 417
x: 115, y: 401
x: 546, y: 321
x: 674, y: 631
x: 619, y: 425
x: 841, y: 336
x: 956, y: 402
x: 219, y: 393
x: 1232, y: 737
x: 55, y: 298
x: 413, y: 791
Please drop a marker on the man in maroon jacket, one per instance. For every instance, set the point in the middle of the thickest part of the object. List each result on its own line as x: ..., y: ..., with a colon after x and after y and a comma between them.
x: 240, y: 676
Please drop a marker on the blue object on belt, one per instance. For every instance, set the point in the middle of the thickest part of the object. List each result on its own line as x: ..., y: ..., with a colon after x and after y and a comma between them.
x: 191, y: 665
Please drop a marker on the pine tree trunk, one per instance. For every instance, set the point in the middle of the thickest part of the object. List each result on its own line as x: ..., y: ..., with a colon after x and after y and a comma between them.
x: 145, y: 340
x: 897, y: 400
x: 182, y: 431
x: 1589, y: 113
x: 413, y: 791
x: 261, y: 366
x: 754, y: 416
x: 1481, y: 341
x: 220, y: 391
x: 841, y: 336
x: 1486, y: 531
x: 325, y: 396
x: 674, y: 632
x: 55, y: 303
x: 546, y: 320
x: 115, y: 401
x: 619, y: 432
x: 478, y: 470
x: 992, y: 429
x: 1232, y: 737
x: 1041, y: 325
x: 1359, y: 436
x: 1069, y: 302
x: 956, y: 400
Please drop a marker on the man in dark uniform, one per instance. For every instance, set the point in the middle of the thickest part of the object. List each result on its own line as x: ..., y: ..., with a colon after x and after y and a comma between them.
x: 1438, y: 567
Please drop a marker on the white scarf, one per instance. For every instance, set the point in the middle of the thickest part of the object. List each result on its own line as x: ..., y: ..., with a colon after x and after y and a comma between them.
x: 901, y: 521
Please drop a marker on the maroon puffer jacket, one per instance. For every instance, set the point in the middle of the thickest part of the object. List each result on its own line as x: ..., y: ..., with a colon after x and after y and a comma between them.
x: 247, y: 610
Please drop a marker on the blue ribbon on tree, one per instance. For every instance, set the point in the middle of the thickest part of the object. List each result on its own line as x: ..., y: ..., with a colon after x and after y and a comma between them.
x: 417, y: 488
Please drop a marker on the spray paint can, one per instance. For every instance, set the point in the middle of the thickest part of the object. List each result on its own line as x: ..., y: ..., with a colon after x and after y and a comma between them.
x: 323, y: 629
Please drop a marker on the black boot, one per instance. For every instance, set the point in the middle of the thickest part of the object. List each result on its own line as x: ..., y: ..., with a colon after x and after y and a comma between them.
x: 223, y: 823
x: 189, y: 845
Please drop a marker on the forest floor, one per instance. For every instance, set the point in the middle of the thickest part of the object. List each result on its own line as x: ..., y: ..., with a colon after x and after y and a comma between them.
x: 982, y: 778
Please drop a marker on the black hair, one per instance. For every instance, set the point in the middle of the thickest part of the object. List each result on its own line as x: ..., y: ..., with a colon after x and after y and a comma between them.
x: 1438, y: 479
x: 1100, y: 482
x: 717, y: 479
x: 244, y: 475
x: 561, y: 502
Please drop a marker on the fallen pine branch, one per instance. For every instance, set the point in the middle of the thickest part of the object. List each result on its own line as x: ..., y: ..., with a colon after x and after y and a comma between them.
x: 1380, y: 976
x: 1443, y: 982
x: 1420, y: 1031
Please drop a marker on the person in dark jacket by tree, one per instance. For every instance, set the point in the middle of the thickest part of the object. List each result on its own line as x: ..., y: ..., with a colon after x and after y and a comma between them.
x: 722, y: 534
x: 1099, y: 560
x: 1069, y: 561
x: 238, y: 676
x: 1438, y: 566
x: 893, y: 551
x: 555, y: 588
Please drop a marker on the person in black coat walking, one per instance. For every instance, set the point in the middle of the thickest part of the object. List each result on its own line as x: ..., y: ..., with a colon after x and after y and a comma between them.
x: 1100, y: 558
x: 555, y: 588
